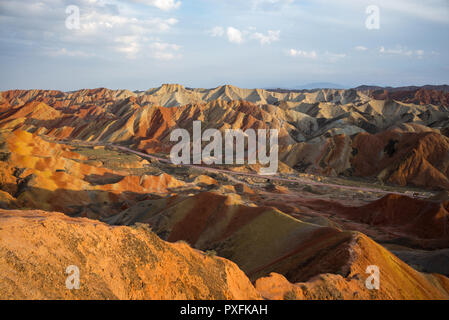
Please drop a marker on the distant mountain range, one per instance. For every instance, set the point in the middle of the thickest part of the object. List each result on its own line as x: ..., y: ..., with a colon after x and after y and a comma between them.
x: 327, y: 85
x: 320, y: 85
x: 444, y: 88
x: 310, y: 87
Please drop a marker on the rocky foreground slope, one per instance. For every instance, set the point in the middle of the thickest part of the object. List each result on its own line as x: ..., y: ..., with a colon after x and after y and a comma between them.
x: 133, y: 263
x: 36, y: 247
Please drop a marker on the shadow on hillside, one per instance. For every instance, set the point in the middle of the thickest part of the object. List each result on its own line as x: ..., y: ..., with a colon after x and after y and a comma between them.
x: 93, y: 204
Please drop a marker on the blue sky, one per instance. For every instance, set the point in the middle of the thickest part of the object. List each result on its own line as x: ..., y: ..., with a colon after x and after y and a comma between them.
x: 141, y: 44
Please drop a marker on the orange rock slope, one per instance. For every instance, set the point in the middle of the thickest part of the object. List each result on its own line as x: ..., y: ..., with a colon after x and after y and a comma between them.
x: 40, y: 174
x: 397, y: 280
x: 36, y: 248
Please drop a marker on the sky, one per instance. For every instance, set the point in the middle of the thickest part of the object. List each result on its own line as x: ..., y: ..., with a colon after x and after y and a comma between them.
x: 141, y: 44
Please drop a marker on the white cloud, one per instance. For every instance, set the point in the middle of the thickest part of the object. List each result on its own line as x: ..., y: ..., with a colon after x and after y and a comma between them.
x: 430, y: 10
x: 216, y: 32
x: 134, y: 46
x: 326, y: 56
x: 105, y: 25
x: 334, y: 57
x: 302, y: 53
x: 419, y: 52
x: 94, y: 22
x: 403, y: 51
x: 165, y: 51
x: 166, y: 56
x: 165, y: 46
x: 263, y: 4
x: 165, y: 5
x: 129, y: 34
x: 69, y: 53
x: 234, y: 35
x: 270, y: 37
x: 129, y: 45
x: 361, y: 48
